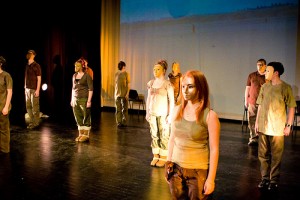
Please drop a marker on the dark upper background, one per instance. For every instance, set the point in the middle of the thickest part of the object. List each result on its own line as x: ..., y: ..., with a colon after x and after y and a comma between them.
x: 60, y: 33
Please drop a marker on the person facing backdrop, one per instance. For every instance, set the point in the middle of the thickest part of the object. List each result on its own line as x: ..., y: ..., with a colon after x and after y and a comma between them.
x: 194, y: 142
x: 81, y: 101
x: 254, y: 82
x: 6, y: 85
x: 159, y: 106
x: 275, y: 100
x: 175, y: 78
x: 122, y: 87
x: 33, y: 78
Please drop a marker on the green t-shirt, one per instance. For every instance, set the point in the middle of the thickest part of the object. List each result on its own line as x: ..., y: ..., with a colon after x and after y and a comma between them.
x: 6, y: 82
x: 274, y: 100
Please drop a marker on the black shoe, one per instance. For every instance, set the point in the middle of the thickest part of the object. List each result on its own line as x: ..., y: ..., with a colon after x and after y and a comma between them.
x: 273, y: 187
x: 263, y: 184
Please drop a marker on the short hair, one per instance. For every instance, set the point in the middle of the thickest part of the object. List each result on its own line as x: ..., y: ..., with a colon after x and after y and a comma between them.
x: 31, y: 51
x: 277, y: 67
x: 262, y: 60
x: 121, y: 65
x: 2, y: 60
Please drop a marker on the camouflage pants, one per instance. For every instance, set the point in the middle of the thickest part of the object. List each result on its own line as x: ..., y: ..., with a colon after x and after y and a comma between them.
x: 32, y: 106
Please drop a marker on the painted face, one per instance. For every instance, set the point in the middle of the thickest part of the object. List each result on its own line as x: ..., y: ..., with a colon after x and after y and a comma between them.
x: 78, y: 67
x: 189, y: 90
x: 269, y: 72
x: 158, y: 71
x: 261, y: 67
x: 176, y: 68
x: 28, y: 56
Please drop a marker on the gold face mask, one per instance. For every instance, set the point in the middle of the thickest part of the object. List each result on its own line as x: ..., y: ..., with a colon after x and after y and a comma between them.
x: 261, y: 67
x: 269, y: 73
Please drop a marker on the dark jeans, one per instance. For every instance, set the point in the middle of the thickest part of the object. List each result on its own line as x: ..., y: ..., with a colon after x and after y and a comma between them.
x: 188, y: 183
x: 270, y: 150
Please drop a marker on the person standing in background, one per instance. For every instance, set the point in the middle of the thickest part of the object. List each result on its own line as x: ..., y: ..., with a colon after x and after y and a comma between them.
x: 33, y: 78
x: 159, y: 106
x: 175, y: 78
x: 6, y: 85
x: 86, y: 68
x: 122, y: 88
x: 254, y: 82
x: 194, y: 142
x: 275, y: 117
x: 81, y: 101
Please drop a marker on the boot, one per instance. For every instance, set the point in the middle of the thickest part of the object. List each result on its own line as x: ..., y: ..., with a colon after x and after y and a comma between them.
x: 154, y: 160
x: 85, y: 136
x: 79, y: 136
x: 161, y: 162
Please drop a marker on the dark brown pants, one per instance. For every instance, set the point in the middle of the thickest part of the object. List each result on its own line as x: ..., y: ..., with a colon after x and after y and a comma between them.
x: 188, y: 183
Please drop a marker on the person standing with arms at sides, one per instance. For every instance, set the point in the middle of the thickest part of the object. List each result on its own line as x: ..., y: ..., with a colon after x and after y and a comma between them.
x: 194, y: 142
x: 175, y: 79
x: 254, y: 82
x: 33, y: 78
x: 122, y: 87
x: 159, y: 106
x: 6, y: 85
x: 86, y: 68
x: 81, y: 101
x: 275, y: 117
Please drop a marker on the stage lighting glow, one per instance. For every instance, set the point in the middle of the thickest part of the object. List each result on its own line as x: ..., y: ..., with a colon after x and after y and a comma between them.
x: 44, y: 87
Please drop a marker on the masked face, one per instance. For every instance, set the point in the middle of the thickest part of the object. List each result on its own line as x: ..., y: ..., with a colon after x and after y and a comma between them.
x: 78, y: 67
x: 176, y: 68
x: 269, y: 72
x: 188, y: 88
x: 261, y: 68
x: 158, y: 71
x: 28, y: 56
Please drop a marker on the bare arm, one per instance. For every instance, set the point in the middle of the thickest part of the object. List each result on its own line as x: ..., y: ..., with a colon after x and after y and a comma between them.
x: 213, y: 124
x: 38, y: 87
x: 7, y: 103
x: 257, y: 116
x: 171, y: 103
x: 147, y: 105
x: 246, y: 96
x: 89, y: 102
x: 290, y: 119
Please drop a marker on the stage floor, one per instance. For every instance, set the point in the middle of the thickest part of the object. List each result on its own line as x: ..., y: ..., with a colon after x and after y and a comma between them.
x: 47, y: 163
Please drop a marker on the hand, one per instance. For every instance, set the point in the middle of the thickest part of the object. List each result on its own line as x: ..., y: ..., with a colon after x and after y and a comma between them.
x: 37, y: 93
x: 88, y: 104
x: 287, y: 130
x: 169, y: 170
x: 5, y: 111
x: 209, y: 187
x: 147, y: 117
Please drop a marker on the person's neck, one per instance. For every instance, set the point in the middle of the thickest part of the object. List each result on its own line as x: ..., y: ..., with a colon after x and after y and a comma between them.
x: 276, y: 81
x: 1, y: 70
x: 30, y: 61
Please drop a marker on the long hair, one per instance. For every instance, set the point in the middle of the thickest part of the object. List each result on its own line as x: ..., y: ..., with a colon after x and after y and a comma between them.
x: 202, y: 94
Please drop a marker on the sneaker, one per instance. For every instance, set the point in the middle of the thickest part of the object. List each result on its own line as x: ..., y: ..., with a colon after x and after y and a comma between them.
x: 252, y: 143
x: 264, y: 184
x: 273, y: 187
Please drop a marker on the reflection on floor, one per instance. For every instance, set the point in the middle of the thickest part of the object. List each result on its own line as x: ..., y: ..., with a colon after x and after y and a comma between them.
x: 48, y: 164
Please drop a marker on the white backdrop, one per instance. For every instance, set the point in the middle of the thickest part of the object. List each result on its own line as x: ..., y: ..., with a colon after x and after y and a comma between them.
x: 224, y: 46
